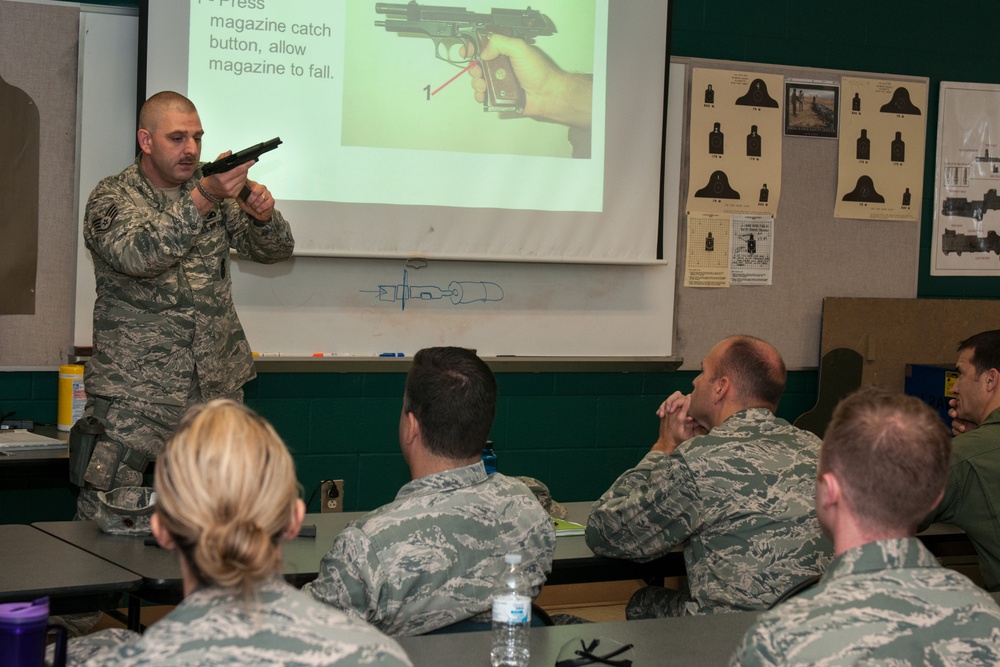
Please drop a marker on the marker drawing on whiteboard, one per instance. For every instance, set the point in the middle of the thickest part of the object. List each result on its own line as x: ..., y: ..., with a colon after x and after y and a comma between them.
x: 459, y: 292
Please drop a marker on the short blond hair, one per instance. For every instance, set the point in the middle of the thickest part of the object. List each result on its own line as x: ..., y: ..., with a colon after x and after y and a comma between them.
x: 226, y: 492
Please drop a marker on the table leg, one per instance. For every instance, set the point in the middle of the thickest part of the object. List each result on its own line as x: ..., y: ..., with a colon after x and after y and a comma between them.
x: 134, y: 613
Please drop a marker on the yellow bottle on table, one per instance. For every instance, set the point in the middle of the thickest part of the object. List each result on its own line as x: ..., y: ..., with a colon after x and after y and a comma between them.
x: 72, y: 396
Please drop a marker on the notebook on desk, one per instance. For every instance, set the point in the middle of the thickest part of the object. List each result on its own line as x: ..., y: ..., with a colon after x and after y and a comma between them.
x: 18, y: 440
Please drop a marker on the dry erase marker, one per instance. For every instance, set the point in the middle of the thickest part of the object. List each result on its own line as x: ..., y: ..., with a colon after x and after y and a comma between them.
x: 267, y: 354
x: 390, y: 354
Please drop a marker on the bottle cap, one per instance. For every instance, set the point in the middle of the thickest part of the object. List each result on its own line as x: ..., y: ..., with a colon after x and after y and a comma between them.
x: 512, y: 559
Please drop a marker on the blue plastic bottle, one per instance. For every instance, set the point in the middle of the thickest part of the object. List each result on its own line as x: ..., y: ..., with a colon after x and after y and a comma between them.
x: 489, y: 458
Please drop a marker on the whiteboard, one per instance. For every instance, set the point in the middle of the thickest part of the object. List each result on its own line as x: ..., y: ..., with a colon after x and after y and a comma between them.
x: 366, y: 306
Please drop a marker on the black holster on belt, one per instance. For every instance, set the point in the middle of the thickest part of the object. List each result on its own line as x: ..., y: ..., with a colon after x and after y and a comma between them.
x: 83, y: 439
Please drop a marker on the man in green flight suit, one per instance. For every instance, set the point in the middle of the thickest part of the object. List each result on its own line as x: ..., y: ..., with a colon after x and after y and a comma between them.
x: 972, y: 497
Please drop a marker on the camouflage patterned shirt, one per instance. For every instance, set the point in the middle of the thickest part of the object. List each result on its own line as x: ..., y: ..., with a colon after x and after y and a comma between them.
x: 741, y: 501
x: 883, y: 603
x: 214, y: 626
x: 164, y: 308
x: 431, y: 557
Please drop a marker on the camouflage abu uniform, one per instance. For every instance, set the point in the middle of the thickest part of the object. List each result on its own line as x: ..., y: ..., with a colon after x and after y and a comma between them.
x: 972, y: 498
x: 740, y: 500
x: 431, y: 557
x: 166, y: 333
x: 214, y: 626
x: 883, y: 603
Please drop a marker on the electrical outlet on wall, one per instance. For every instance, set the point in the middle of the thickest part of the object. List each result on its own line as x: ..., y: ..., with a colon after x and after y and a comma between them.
x: 332, y: 495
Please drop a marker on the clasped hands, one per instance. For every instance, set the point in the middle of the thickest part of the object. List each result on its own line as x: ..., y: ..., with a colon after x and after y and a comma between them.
x: 676, y: 425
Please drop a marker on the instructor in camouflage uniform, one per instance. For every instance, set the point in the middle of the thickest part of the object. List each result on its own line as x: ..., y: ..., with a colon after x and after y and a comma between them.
x: 884, y: 600
x: 431, y: 557
x: 729, y: 481
x: 166, y: 335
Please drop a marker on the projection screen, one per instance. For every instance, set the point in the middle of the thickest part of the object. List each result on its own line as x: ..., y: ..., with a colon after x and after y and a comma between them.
x: 385, y: 150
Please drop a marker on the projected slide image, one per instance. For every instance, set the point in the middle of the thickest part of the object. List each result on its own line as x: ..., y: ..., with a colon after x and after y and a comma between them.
x: 405, y: 84
x: 389, y: 150
x: 348, y: 99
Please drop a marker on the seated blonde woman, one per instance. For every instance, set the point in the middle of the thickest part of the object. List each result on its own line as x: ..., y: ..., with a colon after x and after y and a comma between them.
x: 226, y: 499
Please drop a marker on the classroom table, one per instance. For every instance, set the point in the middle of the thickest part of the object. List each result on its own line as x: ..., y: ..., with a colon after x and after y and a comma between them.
x: 160, y: 571
x: 687, y: 641
x: 36, y: 564
x: 573, y: 561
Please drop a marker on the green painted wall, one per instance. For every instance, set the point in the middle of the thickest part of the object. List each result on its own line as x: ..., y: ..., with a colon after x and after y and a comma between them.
x: 575, y: 431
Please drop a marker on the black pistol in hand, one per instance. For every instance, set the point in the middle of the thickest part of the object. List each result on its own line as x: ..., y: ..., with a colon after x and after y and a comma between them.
x: 451, y: 27
x: 224, y: 164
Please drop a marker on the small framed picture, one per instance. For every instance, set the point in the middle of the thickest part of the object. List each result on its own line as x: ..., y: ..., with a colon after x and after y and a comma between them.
x: 812, y: 109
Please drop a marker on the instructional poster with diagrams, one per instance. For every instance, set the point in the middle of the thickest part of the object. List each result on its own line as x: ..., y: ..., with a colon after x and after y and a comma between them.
x: 966, y: 205
x: 707, y: 261
x: 751, y: 249
x: 735, y: 142
x: 883, y: 130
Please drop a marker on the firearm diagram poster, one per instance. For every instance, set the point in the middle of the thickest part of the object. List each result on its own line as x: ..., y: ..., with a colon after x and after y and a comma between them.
x: 735, y: 142
x: 883, y: 127
x: 966, y: 205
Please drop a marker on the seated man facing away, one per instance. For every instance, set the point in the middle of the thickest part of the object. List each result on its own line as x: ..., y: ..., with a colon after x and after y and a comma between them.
x: 430, y: 558
x: 739, y: 498
x: 884, y: 600
x: 226, y: 500
x: 972, y: 497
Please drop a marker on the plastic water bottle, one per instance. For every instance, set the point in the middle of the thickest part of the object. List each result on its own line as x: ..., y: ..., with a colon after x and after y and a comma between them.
x: 489, y: 458
x: 511, y: 615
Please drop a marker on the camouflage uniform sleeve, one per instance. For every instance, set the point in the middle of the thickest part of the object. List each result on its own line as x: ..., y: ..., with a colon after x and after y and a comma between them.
x: 134, y: 238
x: 351, y: 578
x: 754, y: 649
x: 265, y: 243
x: 95, y: 646
x: 648, y: 511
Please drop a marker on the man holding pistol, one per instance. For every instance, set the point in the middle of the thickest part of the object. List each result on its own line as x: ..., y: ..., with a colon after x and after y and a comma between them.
x: 166, y: 334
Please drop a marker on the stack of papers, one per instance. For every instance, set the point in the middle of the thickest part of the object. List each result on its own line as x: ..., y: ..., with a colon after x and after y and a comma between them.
x: 17, y: 440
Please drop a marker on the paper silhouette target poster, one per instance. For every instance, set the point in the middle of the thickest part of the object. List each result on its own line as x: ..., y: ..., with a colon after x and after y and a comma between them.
x: 883, y: 126
x: 735, y: 142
